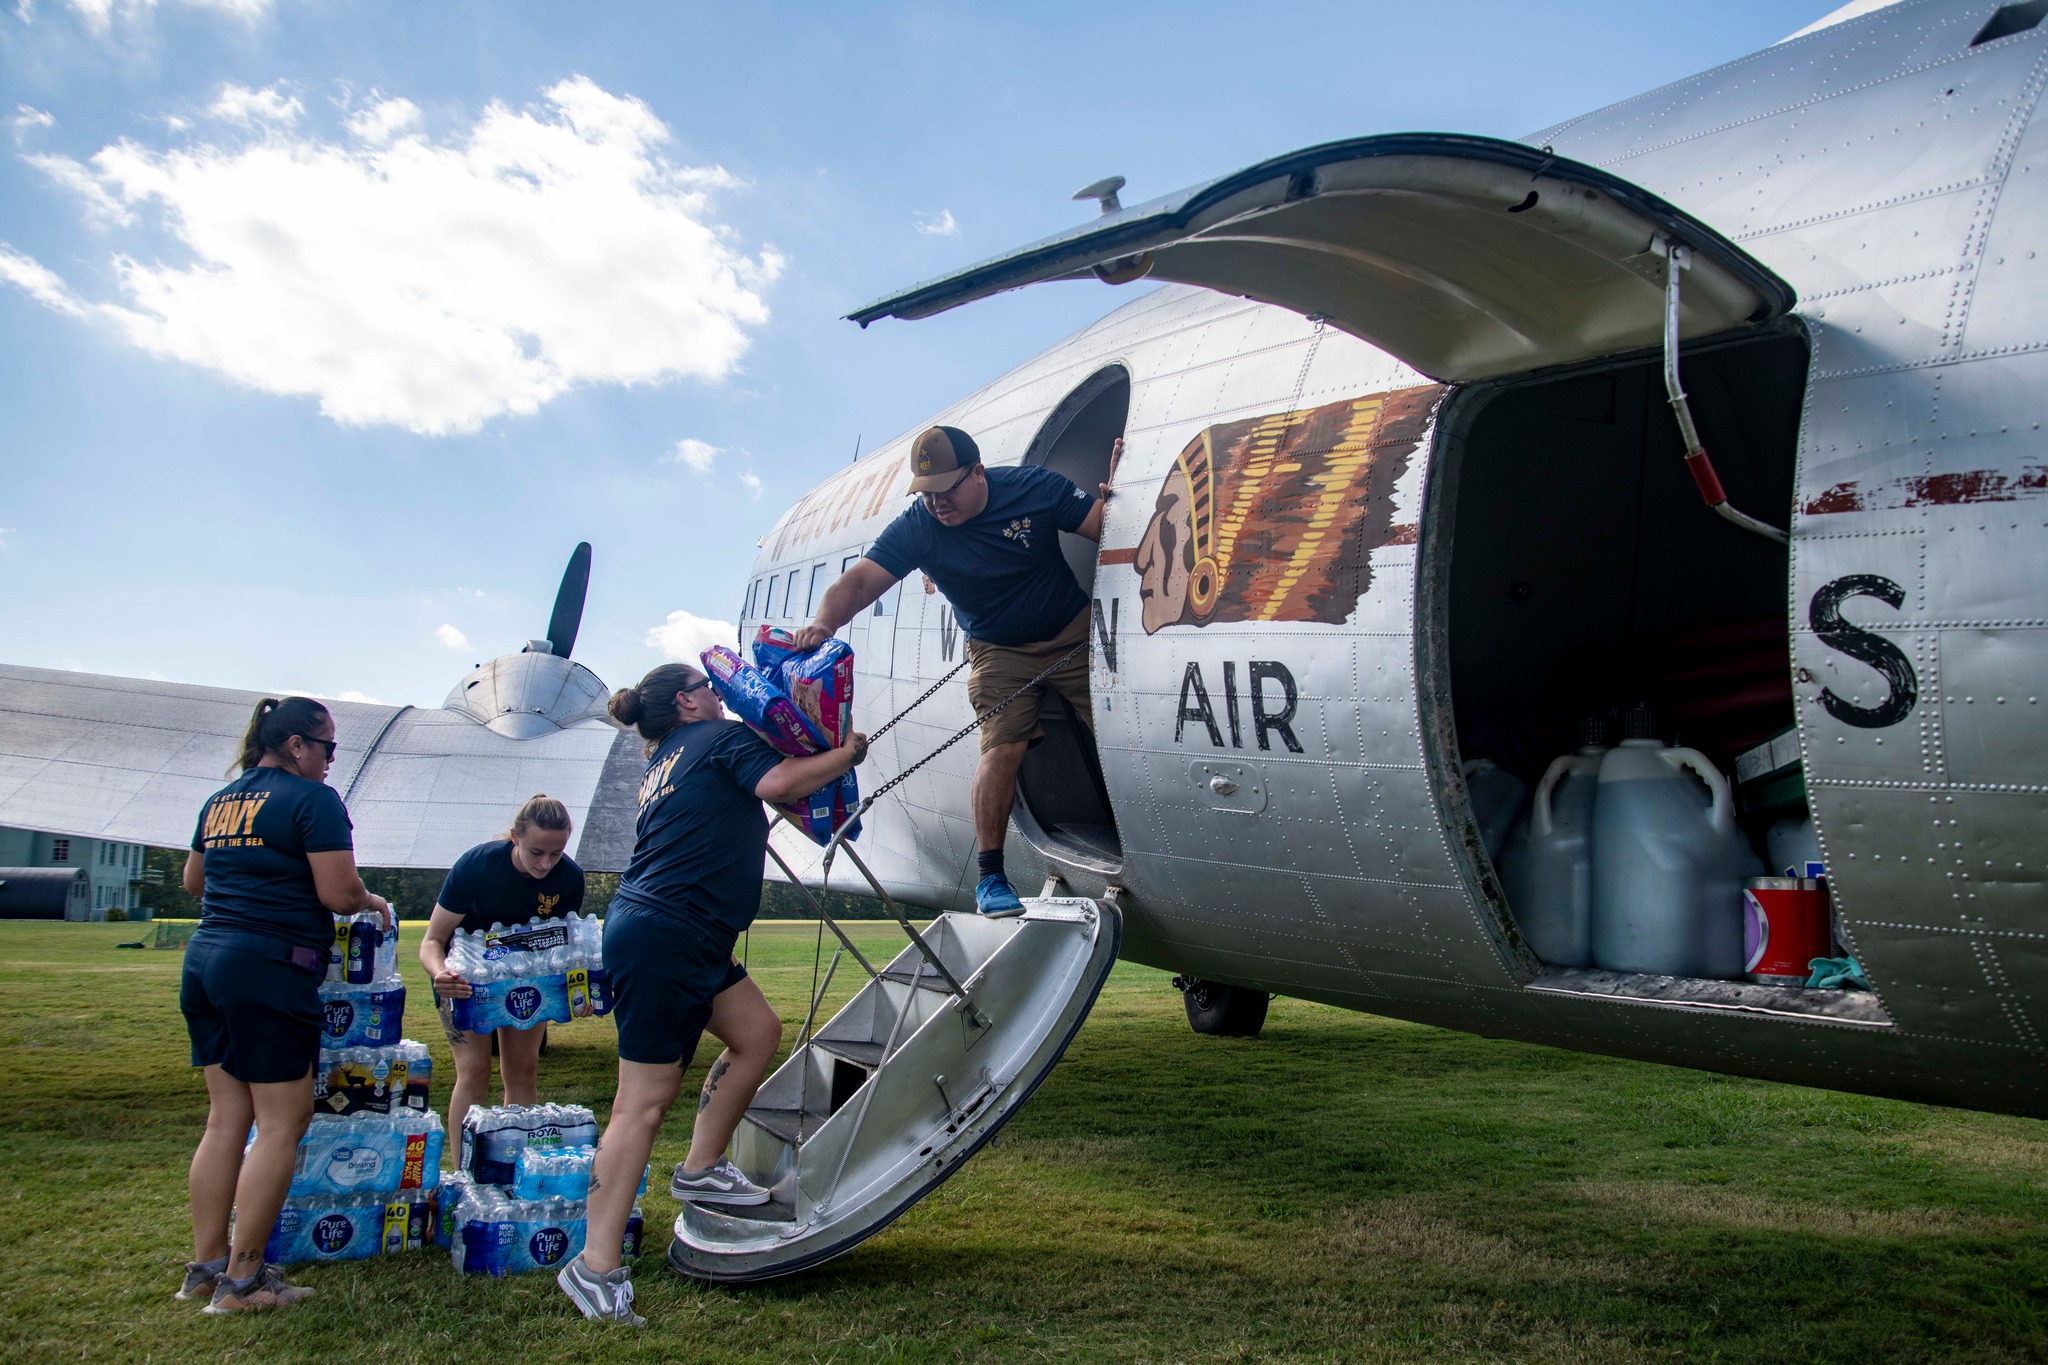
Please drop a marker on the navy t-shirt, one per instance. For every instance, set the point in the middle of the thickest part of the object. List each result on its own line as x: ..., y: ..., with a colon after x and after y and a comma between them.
x: 1002, y: 571
x: 485, y: 888
x: 255, y: 834
x: 701, y: 834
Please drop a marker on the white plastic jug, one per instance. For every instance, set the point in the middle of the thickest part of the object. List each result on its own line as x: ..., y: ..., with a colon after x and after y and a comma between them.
x: 1497, y: 797
x: 1546, y: 868
x: 1668, y: 864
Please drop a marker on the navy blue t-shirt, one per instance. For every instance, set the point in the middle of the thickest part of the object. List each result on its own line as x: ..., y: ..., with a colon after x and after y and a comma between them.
x: 485, y: 888
x: 701, y: 834
x: 255, y: 834
x: 1002, y: 571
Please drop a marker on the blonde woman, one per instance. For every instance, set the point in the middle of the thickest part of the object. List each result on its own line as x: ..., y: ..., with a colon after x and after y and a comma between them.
x: 519, y: 879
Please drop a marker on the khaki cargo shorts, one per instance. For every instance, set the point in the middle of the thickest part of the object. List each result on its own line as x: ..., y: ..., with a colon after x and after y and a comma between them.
x: 995, y: 671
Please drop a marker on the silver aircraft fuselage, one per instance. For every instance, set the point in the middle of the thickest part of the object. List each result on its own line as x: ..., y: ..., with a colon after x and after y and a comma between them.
x: 1277, y: 740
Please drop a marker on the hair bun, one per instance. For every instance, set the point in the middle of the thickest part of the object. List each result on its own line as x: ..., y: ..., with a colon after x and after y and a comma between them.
x: 625, y: 706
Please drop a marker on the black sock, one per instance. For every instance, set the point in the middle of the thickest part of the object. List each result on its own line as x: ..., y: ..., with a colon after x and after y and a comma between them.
x: 991, y: 862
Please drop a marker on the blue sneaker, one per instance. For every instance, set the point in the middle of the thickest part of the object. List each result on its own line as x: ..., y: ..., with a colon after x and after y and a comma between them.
x: 994, y: 898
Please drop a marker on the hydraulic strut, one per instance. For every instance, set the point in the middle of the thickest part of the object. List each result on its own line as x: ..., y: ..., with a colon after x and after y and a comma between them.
x: 1679, y: 258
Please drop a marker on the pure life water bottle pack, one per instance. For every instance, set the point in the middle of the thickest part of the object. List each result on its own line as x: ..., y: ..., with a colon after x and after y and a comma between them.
x: 542, y: 973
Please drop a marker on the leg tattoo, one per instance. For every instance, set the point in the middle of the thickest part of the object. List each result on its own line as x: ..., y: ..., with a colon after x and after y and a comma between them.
x: 718, y: 1070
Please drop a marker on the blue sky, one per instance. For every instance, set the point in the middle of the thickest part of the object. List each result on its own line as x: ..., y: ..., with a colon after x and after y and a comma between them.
x: 326, y: 330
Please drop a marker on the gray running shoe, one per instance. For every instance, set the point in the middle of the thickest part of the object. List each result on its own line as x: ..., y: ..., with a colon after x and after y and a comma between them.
x: 722, y: 1184
x: 267, y: 1290
x: 602, y: 1298
x: 200, y: 1279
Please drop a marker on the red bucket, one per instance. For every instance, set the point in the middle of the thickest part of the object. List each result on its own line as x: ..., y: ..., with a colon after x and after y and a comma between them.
x: 1785, y: 925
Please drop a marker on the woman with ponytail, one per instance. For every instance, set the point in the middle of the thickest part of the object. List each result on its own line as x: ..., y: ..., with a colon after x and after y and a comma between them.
x: 692, y: 887
x: 272, y: 863
x: 518, y: 880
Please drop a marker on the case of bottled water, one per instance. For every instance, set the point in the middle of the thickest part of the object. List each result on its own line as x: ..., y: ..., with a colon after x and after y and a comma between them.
x: 490, y: 1233
x: 549, y: 972
x: 369, y: 1154
x: 558, y: 1173
x: 493, y: 1136
x: 374, y: 1080
x: 349, y: 1227
x: 370, y: 1015
x: 364, y: 950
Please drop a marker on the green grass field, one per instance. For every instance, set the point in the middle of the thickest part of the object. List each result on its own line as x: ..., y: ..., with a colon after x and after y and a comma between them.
x: 1344, y: 1188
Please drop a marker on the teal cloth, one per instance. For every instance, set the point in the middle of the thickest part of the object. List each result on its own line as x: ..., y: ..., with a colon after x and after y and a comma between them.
x: 1834, y: 973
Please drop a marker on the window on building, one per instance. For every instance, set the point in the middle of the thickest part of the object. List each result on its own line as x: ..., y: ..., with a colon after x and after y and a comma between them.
x: 817, y: 590
x: 789, y: 592
x: 60, y: 850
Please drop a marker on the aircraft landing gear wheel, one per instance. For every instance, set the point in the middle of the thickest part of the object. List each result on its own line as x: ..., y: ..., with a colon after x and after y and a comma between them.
x: 1222, y: 1011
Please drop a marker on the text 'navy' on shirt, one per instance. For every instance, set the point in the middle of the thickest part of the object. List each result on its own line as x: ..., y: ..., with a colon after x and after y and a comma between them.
x: 1002, y: 570
x: 701, y: 833
x: 486, y: 887
x: 255, y: 834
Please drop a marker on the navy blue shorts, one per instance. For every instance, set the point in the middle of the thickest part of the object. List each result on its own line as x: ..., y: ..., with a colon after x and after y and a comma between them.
x: 249, y: 1010
x: 663, y: 971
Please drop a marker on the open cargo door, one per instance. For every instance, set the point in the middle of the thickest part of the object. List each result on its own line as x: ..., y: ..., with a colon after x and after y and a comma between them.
x: 885, y: 1101
x: 1466, y: 257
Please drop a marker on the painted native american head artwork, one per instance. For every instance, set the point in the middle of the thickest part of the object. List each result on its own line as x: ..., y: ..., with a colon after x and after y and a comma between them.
x: 1275, y: 518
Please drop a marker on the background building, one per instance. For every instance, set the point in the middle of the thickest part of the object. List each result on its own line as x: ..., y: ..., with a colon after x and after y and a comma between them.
x: 114, y: 870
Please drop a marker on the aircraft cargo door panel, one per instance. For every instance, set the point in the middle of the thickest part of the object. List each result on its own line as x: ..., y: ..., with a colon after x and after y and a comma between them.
x: 1616, y: 665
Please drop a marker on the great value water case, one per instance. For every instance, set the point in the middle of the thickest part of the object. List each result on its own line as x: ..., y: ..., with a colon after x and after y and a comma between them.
x: 369, y: 1154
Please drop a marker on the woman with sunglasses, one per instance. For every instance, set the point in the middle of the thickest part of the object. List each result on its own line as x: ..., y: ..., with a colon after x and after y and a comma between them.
x: 691, y: 888
x: 272, y: 862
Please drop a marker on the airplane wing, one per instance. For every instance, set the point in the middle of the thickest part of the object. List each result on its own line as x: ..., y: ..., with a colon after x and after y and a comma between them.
x: 132, y: 759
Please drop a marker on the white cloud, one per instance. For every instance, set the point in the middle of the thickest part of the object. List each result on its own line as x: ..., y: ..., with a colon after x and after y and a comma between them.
x: 693, y: 454
x: 99, y: 14
x: 37, y: 282
x: 102, y: 209
x: 451, y: 637
x: 27, y: 117
x: 685, y: 636
x: 5, y: 531
x: 435, y: 285
x: 386, y: 119
x: 352, y: 695
x: 941, y: 224
x: 240, y: 104
x: 753, y: 483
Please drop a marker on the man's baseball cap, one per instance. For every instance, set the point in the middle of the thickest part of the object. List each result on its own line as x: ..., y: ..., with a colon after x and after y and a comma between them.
x: 938, y: 455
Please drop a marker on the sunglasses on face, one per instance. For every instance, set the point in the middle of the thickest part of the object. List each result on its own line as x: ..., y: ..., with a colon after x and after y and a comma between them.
x: 327, y: 744
x: 950, y: 489
x: 685, y: 691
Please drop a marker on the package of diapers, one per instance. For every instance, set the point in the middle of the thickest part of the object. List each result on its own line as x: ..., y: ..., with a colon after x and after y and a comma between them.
x: 757, y: 698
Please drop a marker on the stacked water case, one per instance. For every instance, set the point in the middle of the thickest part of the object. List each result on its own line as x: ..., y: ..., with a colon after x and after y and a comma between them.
x: 366, y: 1170
x: 517, y: 1203
x: 543, y: 973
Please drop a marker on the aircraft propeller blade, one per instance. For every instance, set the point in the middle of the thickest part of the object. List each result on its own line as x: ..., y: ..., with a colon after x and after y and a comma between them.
x: 568, y: 613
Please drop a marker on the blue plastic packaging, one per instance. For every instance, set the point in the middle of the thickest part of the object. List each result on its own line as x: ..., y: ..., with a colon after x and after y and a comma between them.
x: 349, y: 1227
x: 369, y: 1154
x: 518, y: 1002
x: 363, y: 1016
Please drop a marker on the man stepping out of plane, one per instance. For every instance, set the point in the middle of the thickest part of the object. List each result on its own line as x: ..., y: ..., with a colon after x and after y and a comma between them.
x: 989, y: 540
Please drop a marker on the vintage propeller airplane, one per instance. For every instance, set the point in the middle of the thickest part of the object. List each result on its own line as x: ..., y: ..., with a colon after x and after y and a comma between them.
x: 1704, y: 417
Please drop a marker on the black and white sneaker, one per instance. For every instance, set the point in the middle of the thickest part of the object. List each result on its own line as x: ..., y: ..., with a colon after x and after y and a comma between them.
x: 721, y: 1184
x: 602, y: 1298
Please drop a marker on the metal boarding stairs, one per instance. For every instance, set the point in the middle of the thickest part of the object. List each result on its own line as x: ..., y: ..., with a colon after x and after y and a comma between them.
x: 877, y: 1107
